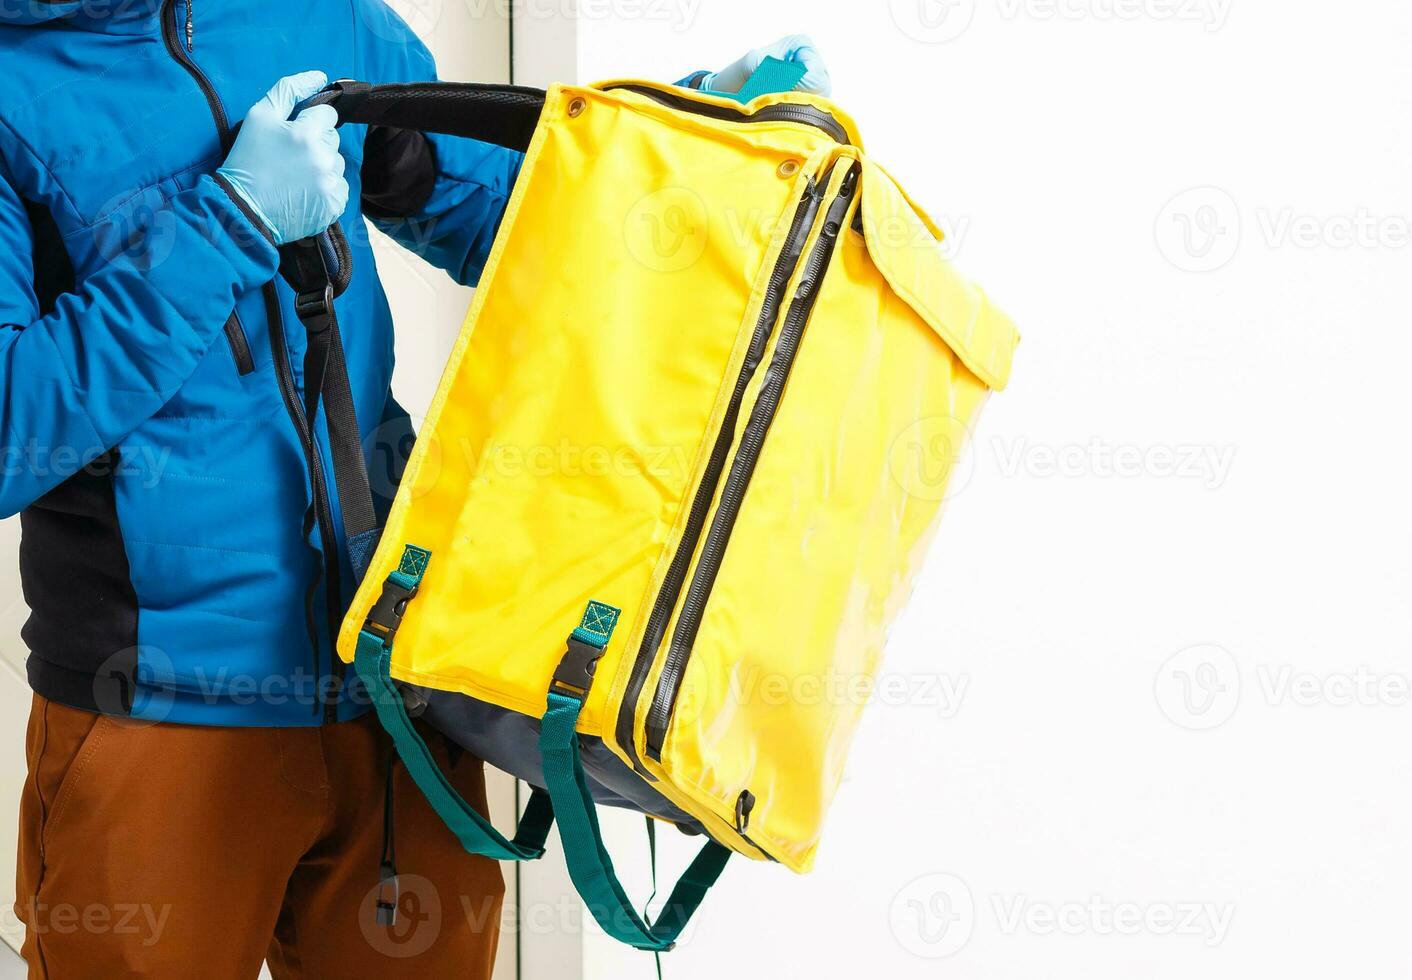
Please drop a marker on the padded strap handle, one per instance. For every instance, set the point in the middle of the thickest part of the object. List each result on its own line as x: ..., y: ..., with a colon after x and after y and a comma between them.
x: 505, y: 115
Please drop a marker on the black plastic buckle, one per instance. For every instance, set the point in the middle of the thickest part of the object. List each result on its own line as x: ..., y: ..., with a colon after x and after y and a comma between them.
x: 315, y: 309
x: 386, y: 615
x: 388, y: 895
x: 574, y: 675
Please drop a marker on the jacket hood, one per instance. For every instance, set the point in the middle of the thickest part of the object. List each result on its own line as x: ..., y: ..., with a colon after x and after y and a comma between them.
x: 102, y: 16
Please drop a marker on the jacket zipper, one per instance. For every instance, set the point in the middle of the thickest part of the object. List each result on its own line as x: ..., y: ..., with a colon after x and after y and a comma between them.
x: 784, y: 112
x: 285, y: 376
x: 182, y: 57
x: 239, y: 345
x: 752, y: 440
x: 675, y: 578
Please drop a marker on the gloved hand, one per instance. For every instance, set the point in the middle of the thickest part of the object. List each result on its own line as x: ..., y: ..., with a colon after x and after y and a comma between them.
x: 796, y: 47
x: 290, y: 173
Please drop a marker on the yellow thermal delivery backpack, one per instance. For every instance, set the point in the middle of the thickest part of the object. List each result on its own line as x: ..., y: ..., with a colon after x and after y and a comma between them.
x: 684, y: 460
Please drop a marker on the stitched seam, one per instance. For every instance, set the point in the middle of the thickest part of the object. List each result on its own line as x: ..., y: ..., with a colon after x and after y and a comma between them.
x: 198, y: 547
x: 467, y: 182
x: 63, y: 191
x: 43, y: 824
x: 73, y: 777
x: 114, y: 208
x: 39, y: 764
x: 262, y: 420
x: 223, y: 481
x: 83, y: 407
x: 284, y: 777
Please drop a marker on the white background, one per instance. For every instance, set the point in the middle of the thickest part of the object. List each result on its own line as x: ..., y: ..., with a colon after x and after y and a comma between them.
x: 1205, y: 461
x: 1158, y: 663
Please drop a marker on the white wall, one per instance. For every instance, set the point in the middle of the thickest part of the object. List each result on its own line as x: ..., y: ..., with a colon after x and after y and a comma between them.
x: 1170, y: 599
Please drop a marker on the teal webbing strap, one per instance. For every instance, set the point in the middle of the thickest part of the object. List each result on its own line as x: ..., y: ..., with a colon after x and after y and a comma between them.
x: 590, y: 867
x: 772, y: 76
x: 373, y: 661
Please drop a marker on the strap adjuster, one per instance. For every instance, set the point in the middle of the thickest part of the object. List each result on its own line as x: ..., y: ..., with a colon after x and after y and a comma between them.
x: 315, y: 309
x: 574, y: 675
x: 385, y: 617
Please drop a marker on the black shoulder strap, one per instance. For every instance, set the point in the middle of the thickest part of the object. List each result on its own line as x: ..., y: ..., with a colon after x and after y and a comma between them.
x: 505, y: 115
x: 320, y: 268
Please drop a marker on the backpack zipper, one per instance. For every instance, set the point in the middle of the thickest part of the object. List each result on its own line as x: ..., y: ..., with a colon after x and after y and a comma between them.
x: 784, y: 112
x: 747, y: 454
x: 675, y: 578
x: 670, y: 591
x: 323, y: 511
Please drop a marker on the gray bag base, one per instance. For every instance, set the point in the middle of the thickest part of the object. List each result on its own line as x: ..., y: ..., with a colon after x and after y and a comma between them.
x: 509, y: 741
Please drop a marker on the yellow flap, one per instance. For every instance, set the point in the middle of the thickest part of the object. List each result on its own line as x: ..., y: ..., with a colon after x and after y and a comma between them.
x: 903, y: 245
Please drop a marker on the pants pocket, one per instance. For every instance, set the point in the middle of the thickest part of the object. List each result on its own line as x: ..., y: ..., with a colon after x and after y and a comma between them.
x: 70, y: 740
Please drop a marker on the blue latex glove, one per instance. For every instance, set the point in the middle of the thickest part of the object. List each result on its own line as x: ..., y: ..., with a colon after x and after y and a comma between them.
x: 290, y: 173
x: 796, y: 47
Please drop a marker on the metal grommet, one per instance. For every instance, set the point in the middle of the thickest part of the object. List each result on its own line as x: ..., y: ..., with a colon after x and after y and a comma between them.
x: 789, y: 168
x: 576, y: 107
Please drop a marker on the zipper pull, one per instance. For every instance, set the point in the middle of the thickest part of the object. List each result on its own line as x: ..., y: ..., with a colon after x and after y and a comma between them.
x: 190, y: 27
x: 744, y: 804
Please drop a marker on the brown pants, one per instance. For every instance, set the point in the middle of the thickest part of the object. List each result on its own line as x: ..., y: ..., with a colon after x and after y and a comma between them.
x: 168, y: 851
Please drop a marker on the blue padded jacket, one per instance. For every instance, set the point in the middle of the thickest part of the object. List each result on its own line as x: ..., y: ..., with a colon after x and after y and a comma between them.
x: 151, y: 361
